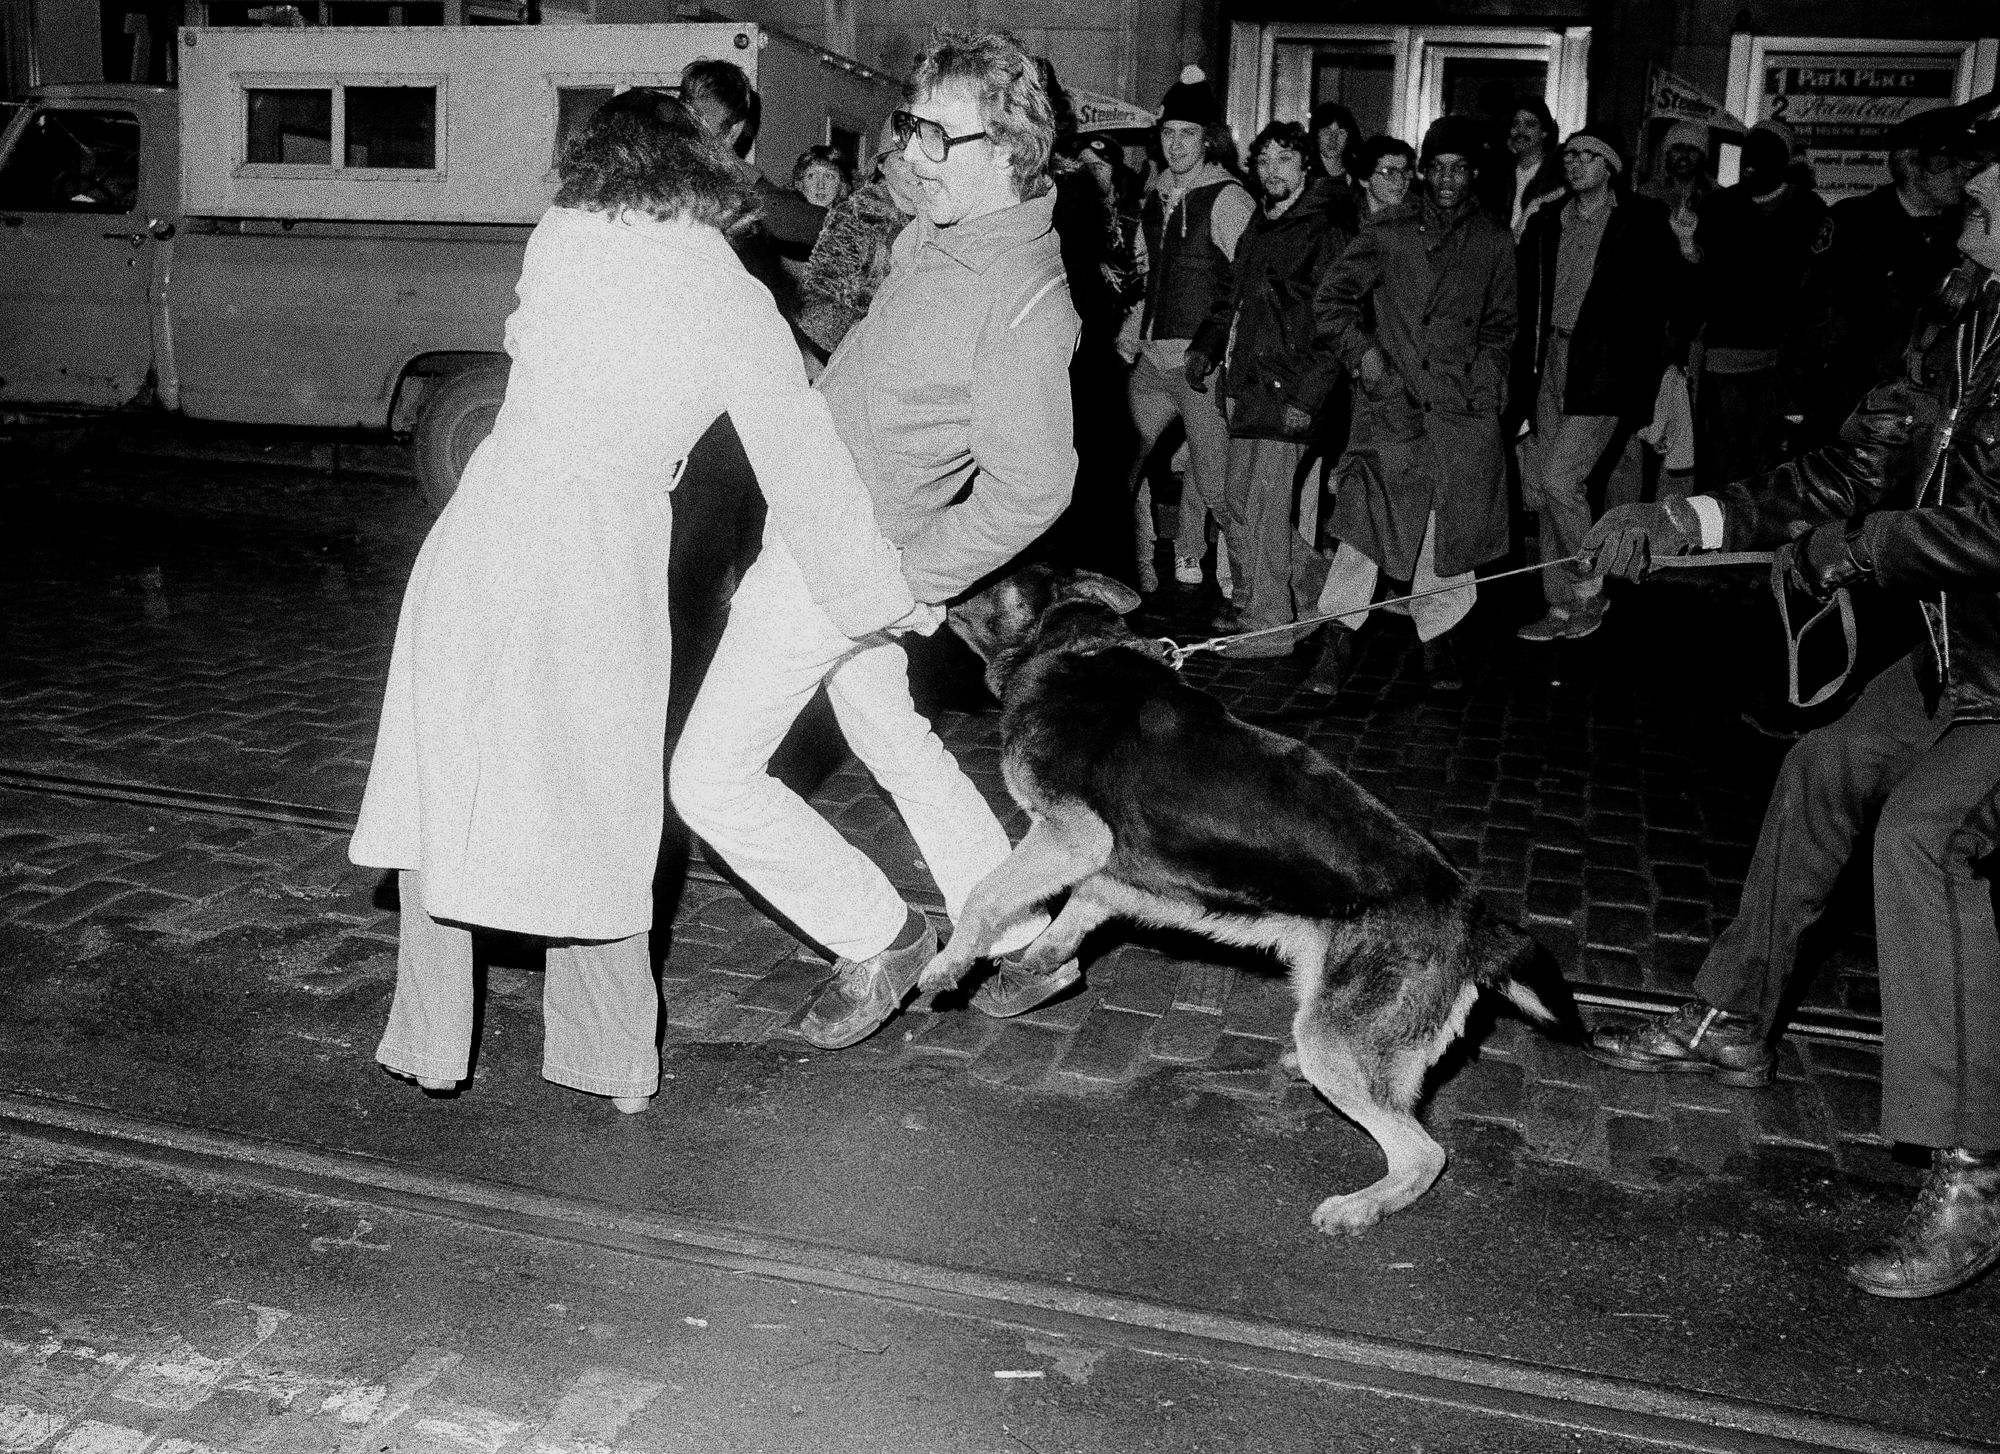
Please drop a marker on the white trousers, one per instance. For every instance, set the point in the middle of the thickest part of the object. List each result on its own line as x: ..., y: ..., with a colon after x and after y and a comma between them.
x: 776, y: 651
x: 1350, y: 585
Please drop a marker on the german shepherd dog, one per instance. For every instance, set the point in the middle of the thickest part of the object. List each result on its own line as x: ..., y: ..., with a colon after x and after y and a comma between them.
x: 1149, y: 801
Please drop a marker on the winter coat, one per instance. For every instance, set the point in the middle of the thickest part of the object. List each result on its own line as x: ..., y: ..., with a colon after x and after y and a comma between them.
x: 848, y: 264
x: 1428, y: 437
x: 1619, y: 347
x: 1871, y: 269
x: 1920, y: 458
x: 518, y: 762
x: 1275, y: 357
x: 1752, y: 258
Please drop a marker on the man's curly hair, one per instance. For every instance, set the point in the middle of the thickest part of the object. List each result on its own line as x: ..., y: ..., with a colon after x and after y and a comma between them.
x: 643, y: 150
x: 1013, y: 101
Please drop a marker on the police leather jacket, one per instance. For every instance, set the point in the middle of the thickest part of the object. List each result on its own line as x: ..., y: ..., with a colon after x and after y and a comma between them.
x: 1917, y: 467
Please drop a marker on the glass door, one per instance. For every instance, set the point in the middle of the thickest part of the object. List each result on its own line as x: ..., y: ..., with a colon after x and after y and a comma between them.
x: 1400, y: 78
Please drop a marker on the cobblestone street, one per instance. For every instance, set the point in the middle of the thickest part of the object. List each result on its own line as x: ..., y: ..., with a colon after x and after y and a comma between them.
x: 221, y: 630
x: 192, y: 977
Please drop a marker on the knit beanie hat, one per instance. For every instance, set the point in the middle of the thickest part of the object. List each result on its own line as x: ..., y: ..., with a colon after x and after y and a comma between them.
x: 1782, y: 132
x: 1459, y: 136
x: 1600, y: 139
x: 1686, y: 133
x: 1189, y: 99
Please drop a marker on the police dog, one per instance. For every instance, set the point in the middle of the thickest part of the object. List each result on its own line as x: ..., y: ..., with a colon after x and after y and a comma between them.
x: 1149, y: 801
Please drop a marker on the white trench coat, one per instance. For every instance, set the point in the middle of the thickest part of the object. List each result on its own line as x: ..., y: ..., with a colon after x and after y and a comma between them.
x: 519, y: 763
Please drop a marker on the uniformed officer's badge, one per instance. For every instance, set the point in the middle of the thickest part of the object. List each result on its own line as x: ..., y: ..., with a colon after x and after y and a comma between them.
x: 1825, y: 238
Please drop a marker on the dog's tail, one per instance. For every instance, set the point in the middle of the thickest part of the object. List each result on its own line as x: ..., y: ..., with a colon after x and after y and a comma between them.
x: 1501, y: 955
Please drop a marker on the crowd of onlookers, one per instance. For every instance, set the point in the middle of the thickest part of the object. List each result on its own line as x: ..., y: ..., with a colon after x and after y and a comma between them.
x: 1340, y: 359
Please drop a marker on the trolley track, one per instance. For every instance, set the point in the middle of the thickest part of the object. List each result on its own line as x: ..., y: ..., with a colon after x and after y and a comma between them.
x: 1538, y: 1394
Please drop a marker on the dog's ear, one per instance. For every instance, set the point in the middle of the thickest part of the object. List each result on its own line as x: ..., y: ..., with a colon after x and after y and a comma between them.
x: 1088, y: 584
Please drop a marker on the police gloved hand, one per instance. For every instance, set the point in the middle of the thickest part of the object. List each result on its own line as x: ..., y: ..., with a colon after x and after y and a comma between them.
x: 1196, y: 369
x: 1624, y: 542
x: 1824, y: 559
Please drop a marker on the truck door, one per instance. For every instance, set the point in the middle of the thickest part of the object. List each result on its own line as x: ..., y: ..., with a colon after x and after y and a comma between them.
x: 75, y: 257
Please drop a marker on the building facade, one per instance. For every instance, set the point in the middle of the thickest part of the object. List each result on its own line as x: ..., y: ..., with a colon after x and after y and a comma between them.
x: 1838, y: 71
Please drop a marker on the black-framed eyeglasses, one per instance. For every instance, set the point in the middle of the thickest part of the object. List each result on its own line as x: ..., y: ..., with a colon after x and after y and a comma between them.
x: 1572, y: 154
x: 1400, y: 172
x: 931, y: 138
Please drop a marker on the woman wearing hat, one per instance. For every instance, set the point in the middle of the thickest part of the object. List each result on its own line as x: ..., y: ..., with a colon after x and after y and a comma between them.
x: 851, y: 258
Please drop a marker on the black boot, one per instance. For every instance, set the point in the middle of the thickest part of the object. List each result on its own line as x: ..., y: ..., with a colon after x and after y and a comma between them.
x: 1335, y: 653
x: 1441, y: 667
x: 1951, y: 1235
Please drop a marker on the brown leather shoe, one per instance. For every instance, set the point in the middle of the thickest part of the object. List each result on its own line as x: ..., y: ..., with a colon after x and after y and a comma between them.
x: 1951, y: 1235
x: 863, y: 994
x: 1012, y: 990
x: 1696, y: 1039
x: 1441, y: 668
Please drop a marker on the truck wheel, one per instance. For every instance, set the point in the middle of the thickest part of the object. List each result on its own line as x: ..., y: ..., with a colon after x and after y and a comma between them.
x: 457, y: 413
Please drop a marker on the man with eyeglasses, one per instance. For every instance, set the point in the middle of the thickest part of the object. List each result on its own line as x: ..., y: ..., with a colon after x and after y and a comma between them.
x: 1596, y: 273
x: 953, y: 396
x: 1876, y: 259
x: 1421, y: 312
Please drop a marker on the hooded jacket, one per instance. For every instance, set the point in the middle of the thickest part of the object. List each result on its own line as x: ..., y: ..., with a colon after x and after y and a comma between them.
x: 1275, y: 357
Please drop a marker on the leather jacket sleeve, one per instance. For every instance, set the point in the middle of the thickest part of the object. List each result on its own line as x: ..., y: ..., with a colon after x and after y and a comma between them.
x: 1877, y: 456
x: 1936, y: 548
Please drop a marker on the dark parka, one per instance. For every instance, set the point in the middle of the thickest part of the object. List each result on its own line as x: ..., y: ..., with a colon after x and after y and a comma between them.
x: 1618, y: 349
x: 1275, y: 355
x: 1428, y: 438
x: 1872, y: 267
x: 1921, y: 457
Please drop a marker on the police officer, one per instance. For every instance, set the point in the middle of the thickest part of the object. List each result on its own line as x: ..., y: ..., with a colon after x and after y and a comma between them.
x: 1876, y: 259
x: 1908, y: 495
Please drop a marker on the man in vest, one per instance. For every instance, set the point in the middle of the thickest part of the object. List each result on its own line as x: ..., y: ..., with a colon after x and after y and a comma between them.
x: 1193, y: 214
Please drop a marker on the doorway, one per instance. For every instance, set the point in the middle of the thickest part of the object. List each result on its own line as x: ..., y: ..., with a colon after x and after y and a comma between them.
x: 1399, y: 78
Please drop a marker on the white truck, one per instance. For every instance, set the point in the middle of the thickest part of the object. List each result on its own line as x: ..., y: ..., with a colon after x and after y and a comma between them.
x: 324, y: 226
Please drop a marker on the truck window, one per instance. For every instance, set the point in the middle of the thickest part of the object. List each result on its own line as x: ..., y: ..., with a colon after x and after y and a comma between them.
x: 291, y: 127
x: 392, y: 126
x: 73, y: 161
x: 575, y: 105
x: 379, y: 127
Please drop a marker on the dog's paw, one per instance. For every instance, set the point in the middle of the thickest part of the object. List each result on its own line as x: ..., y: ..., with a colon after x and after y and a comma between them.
x: 942, y: 973
x: 1347, y: 1216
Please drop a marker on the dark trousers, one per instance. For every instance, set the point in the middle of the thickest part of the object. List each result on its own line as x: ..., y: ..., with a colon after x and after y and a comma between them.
x: 1736, y: 426
x: 1937, y: 951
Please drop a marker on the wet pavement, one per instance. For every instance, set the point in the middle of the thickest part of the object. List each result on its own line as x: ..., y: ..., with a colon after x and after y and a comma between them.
x: 201, y: 953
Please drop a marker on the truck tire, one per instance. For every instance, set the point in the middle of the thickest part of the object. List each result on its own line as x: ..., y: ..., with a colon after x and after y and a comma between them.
x: 457, y: 413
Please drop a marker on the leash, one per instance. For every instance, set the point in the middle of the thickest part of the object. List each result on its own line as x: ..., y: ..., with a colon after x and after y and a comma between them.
x: 1177, y: 654
x: 1840, y: 604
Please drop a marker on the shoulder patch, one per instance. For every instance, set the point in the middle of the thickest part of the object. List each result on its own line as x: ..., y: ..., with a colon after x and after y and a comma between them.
x: 1824, y: 239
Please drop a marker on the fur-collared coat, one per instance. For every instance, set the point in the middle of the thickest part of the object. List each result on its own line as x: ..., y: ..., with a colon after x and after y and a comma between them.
x: 519, y: 763
x: 1427, y: 438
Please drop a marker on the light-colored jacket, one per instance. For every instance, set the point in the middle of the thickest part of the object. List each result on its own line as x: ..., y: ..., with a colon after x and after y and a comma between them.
x: 953, y: 394
x: 519, y: 762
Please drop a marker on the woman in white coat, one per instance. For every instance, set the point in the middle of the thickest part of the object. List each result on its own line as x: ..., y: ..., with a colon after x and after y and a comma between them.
x: 517, y: 782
